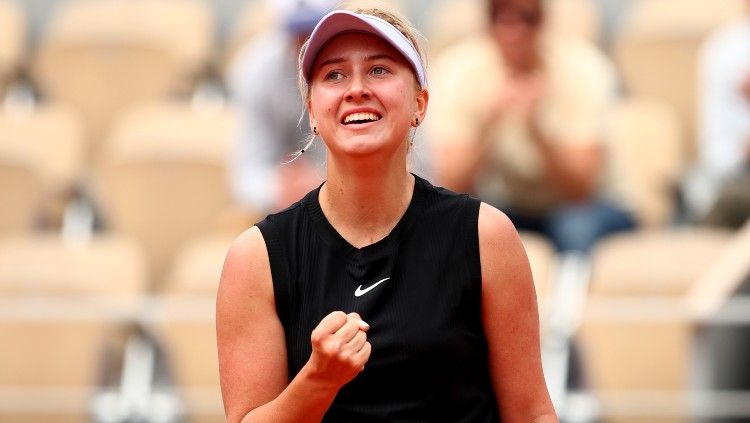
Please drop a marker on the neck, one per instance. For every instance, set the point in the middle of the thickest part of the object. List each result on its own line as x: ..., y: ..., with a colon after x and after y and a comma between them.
x: 365, y: 202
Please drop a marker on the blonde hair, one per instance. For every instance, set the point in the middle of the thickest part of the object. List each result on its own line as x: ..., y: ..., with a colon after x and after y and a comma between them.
x: 398, y: 22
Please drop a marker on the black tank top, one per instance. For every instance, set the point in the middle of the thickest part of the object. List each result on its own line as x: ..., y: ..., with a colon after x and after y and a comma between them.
x: 419, y: 288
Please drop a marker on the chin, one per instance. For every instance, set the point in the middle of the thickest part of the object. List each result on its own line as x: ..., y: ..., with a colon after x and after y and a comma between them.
x: 361, y: 146
x: 361, y: 149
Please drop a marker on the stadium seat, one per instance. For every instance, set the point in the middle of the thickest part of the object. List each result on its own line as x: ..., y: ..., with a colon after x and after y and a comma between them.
x: 197, y: 267
x: 20, y: 186
x: 637, y: 332
x: 185, y: 324
x: 53, y: 134
x: 542, y: 258
x: 12, y: 41
x: 61, y: 304
x: 723, y: 278
x: 647, y: 156
x: 102, y: 56
x: 657, y: 47
x: 46, y: 265
x: 187, y: 330
x: 162, y: 179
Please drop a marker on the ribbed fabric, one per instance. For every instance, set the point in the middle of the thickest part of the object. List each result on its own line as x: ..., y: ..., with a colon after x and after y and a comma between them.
x: 429, y: 352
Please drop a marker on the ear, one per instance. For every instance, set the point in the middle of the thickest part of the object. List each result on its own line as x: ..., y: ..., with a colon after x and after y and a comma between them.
x: 423, y: 97
x: 310, y: 117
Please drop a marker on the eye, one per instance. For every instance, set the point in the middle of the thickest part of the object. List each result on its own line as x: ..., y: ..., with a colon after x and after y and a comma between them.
x: 334, y: 76
x: 379, y: 71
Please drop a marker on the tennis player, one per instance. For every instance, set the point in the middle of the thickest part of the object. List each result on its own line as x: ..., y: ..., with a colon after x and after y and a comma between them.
x: 378, y: 297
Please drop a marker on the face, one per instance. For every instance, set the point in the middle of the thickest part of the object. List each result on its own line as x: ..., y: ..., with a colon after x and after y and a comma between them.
x: 363, y: 96
x: 516, y: 27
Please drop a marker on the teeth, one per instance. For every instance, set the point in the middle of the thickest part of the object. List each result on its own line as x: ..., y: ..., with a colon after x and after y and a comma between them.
x: 361, y: 117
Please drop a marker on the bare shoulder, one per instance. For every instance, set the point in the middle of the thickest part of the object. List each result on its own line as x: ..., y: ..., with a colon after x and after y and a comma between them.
x: 246, y: 267
x: 494, y: 223
x: 499, y: 243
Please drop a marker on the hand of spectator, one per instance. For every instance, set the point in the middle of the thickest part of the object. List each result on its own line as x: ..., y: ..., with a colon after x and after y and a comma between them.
x: 529, y: 91
x: 521, y: 96
x: 340, y: 349
x: 295, y: 180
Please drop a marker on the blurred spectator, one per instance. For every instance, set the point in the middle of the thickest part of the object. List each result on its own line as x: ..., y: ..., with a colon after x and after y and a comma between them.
x: 724, y: 138
x: 516, y: 118
x: 271, y: 111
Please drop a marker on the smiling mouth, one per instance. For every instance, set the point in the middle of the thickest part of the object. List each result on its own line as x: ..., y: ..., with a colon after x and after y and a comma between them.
x: 358, y: 118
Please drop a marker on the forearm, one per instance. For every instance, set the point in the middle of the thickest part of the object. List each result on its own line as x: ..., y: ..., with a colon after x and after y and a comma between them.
x: 573, y: 175
x: 304, y: 400
x: 547, y: 418
x: 457, y: 166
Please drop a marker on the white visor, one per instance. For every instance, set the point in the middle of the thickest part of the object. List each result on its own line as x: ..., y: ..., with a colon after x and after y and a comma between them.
x: 340, y: 21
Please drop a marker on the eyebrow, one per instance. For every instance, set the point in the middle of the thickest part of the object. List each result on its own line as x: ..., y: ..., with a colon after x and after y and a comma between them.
x: 331, y: 62
x: 337, y: 60
x: 379, y: 57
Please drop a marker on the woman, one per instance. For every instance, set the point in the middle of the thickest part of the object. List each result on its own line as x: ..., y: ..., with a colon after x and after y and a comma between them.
x: 442, y: 280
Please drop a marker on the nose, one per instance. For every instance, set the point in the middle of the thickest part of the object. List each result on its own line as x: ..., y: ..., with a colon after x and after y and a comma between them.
x: 357, y: 89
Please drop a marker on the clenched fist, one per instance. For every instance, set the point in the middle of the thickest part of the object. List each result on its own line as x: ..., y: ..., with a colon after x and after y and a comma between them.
x: 339, y: 348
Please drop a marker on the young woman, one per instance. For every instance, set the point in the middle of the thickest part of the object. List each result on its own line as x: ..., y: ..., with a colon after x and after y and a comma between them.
x: 441, y: 279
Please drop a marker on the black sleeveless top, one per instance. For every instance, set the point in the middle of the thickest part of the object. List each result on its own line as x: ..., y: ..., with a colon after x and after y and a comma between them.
x: 419, y: 288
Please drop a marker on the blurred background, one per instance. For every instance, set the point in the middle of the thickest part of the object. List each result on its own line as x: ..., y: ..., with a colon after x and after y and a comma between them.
x: 139, y: 137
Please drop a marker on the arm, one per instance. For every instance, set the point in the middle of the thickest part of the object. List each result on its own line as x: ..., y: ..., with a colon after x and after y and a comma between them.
x: 511, y: 322
x: 574, y: 169
x: 252, y: 350
x: 456, y: 165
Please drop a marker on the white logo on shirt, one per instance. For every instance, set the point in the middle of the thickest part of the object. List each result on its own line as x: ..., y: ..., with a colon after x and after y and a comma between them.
x: 360, y: 292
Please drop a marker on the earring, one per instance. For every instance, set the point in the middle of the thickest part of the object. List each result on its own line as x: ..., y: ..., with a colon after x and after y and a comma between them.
x: 416, y: 121
x: 315, y: 130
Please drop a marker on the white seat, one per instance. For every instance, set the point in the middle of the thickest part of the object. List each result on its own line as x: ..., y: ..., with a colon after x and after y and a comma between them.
x: 657, y: 48
x: 61, y: 307
x: 163, y: 178
x: 637, y: 331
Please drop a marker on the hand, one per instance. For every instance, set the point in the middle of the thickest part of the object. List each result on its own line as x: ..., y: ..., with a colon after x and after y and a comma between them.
x: 527, y: 92
x: 521, y: 96
x: 340, y: 349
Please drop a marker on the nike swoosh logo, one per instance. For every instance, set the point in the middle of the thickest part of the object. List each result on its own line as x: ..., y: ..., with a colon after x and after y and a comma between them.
x: 360, y: 292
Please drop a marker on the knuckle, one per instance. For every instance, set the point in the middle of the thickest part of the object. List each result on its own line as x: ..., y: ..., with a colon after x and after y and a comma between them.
x: 332, y: 347
x: 354, y: 363
x: 345, y: 356
x: 316, y: 338
x: 338, y: 315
